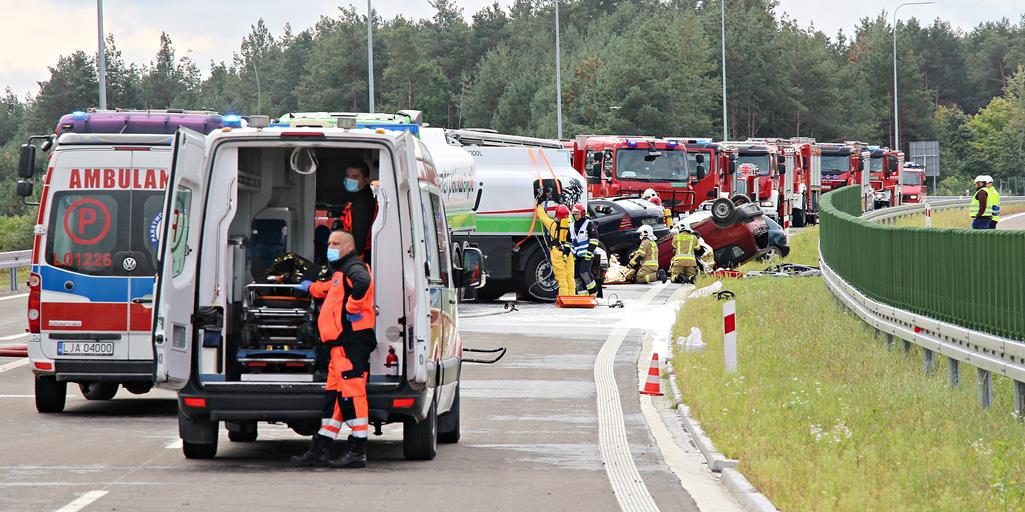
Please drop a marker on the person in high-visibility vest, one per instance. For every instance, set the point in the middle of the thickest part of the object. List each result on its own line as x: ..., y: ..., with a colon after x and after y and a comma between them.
x: 560, y: 249
x: 584, y: 236
x: 684, y: 266
x: 981, y: 210
x: 994, y: 200
x: 645, y: 258
x: 346, y: 324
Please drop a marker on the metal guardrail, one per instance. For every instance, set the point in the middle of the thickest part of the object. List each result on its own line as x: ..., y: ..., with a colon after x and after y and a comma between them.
x: 886, y: 215
x: 14, y: 260
x: 909, y: 314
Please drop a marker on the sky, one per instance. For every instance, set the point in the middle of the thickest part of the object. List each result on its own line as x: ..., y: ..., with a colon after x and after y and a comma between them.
x: 37, y: 32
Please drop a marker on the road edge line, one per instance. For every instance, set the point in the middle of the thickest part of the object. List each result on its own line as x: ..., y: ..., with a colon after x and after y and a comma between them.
x: 83, y: 501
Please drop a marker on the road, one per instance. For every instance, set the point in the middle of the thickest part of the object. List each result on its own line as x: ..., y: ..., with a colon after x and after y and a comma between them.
x: 1013, y: 222
x: 533, y: 435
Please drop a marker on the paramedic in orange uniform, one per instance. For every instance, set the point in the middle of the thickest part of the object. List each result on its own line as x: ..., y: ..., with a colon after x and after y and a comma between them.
x: 360, y: 206
x: 346, y: 325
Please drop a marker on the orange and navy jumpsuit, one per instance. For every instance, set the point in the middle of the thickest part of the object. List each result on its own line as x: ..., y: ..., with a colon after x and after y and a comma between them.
x: 346, y: 324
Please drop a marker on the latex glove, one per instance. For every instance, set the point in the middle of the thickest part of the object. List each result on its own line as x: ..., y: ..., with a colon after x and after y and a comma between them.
x: 354, y: 317
x: 304, y: 286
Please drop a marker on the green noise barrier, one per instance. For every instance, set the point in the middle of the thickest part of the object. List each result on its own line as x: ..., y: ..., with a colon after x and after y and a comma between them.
x: 973, y: 279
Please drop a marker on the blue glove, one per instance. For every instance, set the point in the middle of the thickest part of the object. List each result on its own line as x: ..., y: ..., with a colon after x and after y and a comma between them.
x: 304, y: 286
x: 354, y: 317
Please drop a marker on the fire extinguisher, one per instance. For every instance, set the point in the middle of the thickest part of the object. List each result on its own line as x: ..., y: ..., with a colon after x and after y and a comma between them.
x: 391, y: 362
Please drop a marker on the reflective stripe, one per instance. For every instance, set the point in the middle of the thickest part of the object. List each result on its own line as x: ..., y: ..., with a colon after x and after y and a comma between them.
x: 989, y: 204
x: 332, y: 434
x: 356, y: 422
x: 326, y: 422
x: 360, y: 433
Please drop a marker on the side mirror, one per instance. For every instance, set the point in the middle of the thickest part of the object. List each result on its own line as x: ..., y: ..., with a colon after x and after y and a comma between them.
x: 699, y: 158
x: 27, y: 161
x: 893, y: 166
x: 733, y: 165
x: 861, y: 165
x: 24, y: 188
x: 596, y: 169
x: 472, y: 271
x: 700, y: 170
x: 781, y: 160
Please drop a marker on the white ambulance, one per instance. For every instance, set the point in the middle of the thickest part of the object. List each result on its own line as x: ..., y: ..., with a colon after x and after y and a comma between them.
x: 94, y: 255
x: 231, y: 340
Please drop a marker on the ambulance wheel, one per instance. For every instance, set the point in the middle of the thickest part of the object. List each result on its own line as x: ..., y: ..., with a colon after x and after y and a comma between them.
x: 800, y: 219
x: 538, y: 282
x: 448, y: 423
x: 50, y: 394
x: 98, y: 390
x: 246, y: 435
x: 199, y: 437
x: 420, y: 440
x: 138, y: 388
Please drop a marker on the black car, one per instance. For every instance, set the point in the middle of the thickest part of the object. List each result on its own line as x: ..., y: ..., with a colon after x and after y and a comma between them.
x: 618, y: 218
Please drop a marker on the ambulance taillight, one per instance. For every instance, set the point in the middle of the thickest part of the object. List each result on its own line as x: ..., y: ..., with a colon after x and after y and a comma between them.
x: 33, y: 303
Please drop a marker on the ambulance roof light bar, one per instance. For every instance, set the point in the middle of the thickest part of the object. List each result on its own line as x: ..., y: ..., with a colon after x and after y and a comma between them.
x: 138, y: 121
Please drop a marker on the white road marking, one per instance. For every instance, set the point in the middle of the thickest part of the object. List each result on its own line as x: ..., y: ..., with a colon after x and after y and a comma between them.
x: 83, y: 501
x: 17, y: 396
x: 16, y: 364
x: 627, y: 484
x: 9, y: 297
x: 174, y: 445
x: 10, y: 337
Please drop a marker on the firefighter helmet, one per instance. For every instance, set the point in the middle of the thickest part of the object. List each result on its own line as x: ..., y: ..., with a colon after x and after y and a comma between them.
x: 579, y: 208
x: 646, y: 232
x: 561, y: 212
x: 981, y: 178
x: 648, y: 194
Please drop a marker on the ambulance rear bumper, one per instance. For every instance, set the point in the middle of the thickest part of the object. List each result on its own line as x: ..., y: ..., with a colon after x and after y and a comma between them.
x: 77, y: 370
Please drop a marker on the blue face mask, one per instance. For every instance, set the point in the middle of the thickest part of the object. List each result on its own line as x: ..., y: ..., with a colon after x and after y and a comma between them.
x: 351, y: 185
x: 333, y: 255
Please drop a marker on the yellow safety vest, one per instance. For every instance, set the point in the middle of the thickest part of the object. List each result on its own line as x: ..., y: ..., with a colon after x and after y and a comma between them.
x: 994, y: 201
x: 975, y: 204
x: 683, y: 244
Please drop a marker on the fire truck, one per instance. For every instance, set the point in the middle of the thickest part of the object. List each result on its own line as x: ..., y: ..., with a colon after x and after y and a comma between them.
x: 807, y: 181
x: 616, y: 165
x: 720, y: 162
x: 885, y: 167
x: 773, y: 194
x: 913, y: 186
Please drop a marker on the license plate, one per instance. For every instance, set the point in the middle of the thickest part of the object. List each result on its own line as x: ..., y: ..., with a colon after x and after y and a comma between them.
x: 650, y: 221
x: 85, y: 348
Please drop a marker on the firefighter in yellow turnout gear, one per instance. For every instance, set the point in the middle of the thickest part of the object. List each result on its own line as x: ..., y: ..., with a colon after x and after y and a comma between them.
x: 684, y: 266
x: 645, y: 258
x: 560, y: 247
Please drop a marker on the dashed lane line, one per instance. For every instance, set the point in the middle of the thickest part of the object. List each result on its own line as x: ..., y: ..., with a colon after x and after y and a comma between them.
x: 16, y: 364
x: 83, y: 501
x: 627, y: 484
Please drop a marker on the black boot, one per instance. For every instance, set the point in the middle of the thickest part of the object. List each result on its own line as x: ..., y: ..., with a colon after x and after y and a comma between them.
x: 661, y: 275
x: 317, y: 455
x: 355, y: 456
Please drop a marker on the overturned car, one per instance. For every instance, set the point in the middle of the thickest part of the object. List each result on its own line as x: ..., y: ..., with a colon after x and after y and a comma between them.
x: 736, y: 233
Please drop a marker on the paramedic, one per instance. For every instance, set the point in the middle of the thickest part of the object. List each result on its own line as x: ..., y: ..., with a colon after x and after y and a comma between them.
x: 346, y: 324
x: 584, y: 235
x: 360, y: 206
x: 560, y: 249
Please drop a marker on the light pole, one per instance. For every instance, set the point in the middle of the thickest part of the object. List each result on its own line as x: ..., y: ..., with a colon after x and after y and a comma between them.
x: 896, y: 111
x: 102, y: 71
x: 370, y: 53
x: 722, y: 12
x: 558, y: 76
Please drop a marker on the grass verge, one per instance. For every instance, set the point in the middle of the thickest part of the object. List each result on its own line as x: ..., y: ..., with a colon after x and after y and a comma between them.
x: 823, y: 417
x: 953, y: 218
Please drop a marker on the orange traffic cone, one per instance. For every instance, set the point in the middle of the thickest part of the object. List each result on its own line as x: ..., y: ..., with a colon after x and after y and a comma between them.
x: 653, y: 386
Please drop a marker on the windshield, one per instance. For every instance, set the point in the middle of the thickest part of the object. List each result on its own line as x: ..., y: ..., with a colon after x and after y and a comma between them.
x: 91, y: 232
x: 875, y: 164
x: 762, y: 161
x: 833, y: 165
x: 636, y: 164
x: 912, y: 178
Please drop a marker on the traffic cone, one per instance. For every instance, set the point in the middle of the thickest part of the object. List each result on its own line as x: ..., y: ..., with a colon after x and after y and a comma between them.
x: 653, y: 386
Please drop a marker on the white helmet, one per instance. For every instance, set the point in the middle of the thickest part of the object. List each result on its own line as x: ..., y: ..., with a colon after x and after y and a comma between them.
x: 648, y: 194
x: 981, y: 178
x: 646, y: 232
x: 682, y: 226
x: 989, y: 179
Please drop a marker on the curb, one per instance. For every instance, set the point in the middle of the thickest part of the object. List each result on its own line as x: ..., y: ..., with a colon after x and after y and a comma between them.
x: 739, y: 487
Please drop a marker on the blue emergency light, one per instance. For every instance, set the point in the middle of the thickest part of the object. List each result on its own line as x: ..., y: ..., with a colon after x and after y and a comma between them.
x: 78, y: 114
x: 232, y: 120
x: 414, y: 129
x: 631, y: 143
x: 672, y: 143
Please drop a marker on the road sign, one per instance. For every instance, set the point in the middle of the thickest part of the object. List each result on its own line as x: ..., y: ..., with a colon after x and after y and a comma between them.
x: 927, y: 153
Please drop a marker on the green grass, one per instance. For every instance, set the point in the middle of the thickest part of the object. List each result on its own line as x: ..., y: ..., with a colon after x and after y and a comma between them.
x: 952, y: 218
x: 823, y: 417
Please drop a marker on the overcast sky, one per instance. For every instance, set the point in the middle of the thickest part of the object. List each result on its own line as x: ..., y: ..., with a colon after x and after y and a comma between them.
x: 35, y: 33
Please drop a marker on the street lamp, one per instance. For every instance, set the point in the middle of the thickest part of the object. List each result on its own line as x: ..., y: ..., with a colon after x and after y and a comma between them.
x: 370, y: 53
x: 896, y: 112
x: 558, y: 76
x: 102, y: 61
x: 722, y: 12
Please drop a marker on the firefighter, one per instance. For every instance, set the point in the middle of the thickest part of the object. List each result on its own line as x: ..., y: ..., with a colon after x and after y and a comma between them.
x: 560, y: 251
x: 649, y: 194
x: 645, y: 258
x: 360, y: 206
x: 346, y: 325
x: 994, y: 199
x: 584, y: 235
x: 684, y: 266
x: 981, y: 210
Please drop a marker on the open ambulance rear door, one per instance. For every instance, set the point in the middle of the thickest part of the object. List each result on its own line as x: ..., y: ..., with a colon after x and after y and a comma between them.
x: 175, y: 298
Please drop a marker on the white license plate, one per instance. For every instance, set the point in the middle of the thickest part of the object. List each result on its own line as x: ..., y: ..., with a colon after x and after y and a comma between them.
x: 650, y: 221
x: 85, y: 348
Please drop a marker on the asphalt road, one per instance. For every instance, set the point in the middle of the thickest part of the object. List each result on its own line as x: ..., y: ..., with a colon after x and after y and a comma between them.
x: 1013, y: 222
x: 532, y: 435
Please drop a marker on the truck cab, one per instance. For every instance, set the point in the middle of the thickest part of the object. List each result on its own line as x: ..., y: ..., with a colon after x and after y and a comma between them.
x: 885, y: 167
x: 713, y: 165
x: 234, y: 340
x: 807, y: 181
x: 626, y: 165
x: 95, y: 250
x: 767, y: 188
x: 913, y: 186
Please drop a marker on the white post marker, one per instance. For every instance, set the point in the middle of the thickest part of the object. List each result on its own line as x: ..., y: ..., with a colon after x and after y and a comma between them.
x: 729, y: 336
x: 928, y: 216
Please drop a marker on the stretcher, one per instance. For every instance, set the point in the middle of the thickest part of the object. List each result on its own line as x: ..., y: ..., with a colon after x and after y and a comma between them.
x: 278, y: 333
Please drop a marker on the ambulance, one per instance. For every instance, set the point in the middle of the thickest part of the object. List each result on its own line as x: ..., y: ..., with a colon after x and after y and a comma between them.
x: 231, y: 337
x: 94, y: 253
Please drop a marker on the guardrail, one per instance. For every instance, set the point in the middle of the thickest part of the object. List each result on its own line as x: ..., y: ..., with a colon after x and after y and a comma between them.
x: 14, y: 260
x: 887, y: 215
x: 956, y: 292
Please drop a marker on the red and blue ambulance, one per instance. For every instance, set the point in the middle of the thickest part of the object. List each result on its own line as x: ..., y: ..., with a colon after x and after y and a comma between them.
x: 94, y: 255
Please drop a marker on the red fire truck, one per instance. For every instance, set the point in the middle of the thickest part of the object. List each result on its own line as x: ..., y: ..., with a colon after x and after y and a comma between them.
x: 807, y: 181
x: 885, y: 167
x: 840, y: 164
x: 772, y: 193
x: 617, y: 165
x: 914, y: 189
